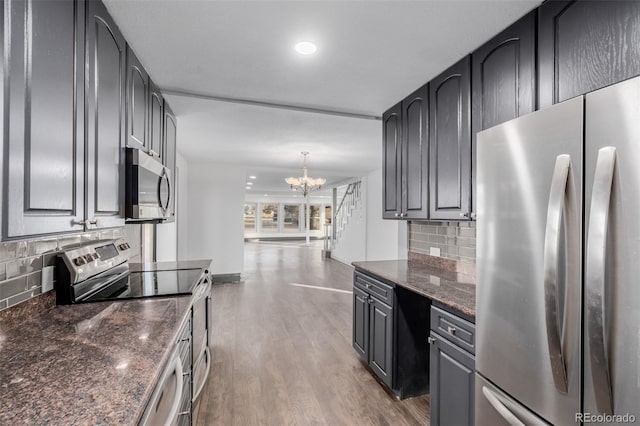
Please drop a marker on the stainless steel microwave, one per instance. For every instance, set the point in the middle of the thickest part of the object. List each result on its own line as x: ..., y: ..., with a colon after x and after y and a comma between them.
x: 148, y: 192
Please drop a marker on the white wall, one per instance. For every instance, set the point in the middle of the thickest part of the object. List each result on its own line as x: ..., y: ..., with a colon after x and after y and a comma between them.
x: 352, y: 243
x: 214, y: 214
x: 182, y: 206
x: 167, y: 233
x: 386, y: 239
x: 368, y: 236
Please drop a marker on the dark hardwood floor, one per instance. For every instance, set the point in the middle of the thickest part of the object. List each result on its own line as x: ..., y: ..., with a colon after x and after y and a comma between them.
x: 282, y: 353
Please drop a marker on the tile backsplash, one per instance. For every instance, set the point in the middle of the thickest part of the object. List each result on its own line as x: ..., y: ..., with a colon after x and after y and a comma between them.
x: 24, y: 264
x: 456, y: 240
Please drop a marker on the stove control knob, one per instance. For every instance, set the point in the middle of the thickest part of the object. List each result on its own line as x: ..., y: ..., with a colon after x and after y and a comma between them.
x: 88, y: 257
x: 127, y: 246
x: 79, y: 261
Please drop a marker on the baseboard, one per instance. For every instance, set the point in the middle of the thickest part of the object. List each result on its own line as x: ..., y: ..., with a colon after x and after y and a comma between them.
x: 225, y: 278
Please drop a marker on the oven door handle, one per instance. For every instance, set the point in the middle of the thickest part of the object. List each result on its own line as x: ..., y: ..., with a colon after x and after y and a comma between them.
x: 207, y: 353
x: 173, y: 414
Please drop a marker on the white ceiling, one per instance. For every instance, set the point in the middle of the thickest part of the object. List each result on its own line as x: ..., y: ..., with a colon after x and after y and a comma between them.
x: 370, y: 55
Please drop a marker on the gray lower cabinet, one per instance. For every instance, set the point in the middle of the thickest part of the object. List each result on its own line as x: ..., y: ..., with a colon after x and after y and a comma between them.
x: 380, y: 339
x: 389, y: 328
x: 373, y: 328
x: 452, y: 364
x: 361, y: 323
x: 43, y: 160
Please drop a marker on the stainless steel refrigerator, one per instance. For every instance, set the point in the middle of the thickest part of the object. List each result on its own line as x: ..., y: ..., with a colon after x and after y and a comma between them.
x: 558, y: 264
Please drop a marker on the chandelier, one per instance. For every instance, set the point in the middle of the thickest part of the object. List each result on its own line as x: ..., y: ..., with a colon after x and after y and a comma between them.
x: 305, y: 184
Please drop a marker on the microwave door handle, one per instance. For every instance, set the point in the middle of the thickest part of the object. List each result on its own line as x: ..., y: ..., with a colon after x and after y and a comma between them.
x: 595, y: 277
x: 555, y: 210
x: 164, y: 176
x: 169, y: 191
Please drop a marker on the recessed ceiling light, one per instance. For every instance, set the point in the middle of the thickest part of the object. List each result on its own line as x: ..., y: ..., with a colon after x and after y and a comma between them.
x: 252, y: 177
x: 249, y: 183
x: 247, y: 187
x: 266, y: 195
x: 306, y: 48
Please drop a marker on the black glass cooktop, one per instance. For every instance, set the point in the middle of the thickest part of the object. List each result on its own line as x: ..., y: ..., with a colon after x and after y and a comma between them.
x: 133, y: 285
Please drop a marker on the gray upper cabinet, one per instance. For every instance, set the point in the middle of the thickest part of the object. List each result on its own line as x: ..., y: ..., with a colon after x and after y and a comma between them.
x: 450, y: 143
x: 586, y: 45
x: 137, y: 103
x: 169, y: 155
x: 415, y: 155
x: 503, y: 77
x: 406, y: 157
x: 391, y: 158
x: 43, y: 161
x: 106, y: 61
x: 156, y: 116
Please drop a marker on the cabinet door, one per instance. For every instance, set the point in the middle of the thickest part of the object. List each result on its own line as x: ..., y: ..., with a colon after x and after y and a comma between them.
x: 105, y: 58
x: 381, y: 340
x: 361, y: 323
x: 452, y: 384
x: 137, y: 103
x: 450, y: 143
x: 156, y: 115
x: 391, y: 158
x: 415, y: 155
x: 169, y: 155
x: 586, y: 45
x: 42, y: 117
x: 503, y: 77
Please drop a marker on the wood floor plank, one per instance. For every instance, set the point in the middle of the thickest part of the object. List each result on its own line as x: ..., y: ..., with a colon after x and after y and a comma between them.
x: 282, y: 354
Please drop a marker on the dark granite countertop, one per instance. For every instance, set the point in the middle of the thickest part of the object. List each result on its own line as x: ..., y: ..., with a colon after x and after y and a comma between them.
x: 93, y: 363
x: 170, y: 266
x: 451, y: 289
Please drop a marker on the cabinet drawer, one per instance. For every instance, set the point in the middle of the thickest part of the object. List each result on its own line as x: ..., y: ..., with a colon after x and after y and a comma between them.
x: 458, y: 331
x: 375, y: 288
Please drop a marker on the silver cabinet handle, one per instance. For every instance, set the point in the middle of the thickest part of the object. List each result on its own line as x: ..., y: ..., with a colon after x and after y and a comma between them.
x: 397, y: 215
x: 206, y: 374
x: 464, y: 214
x: 555, y: 209
x: 92, y: 221
x: 501, y: 408
x: 431, y: 340
x: 595, y: 277
x: 451, y: 330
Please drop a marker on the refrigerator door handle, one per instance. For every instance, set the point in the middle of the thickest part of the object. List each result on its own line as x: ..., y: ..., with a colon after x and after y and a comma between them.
x: 595, y: 277
x: 552, y: 236
x: 501, y: 408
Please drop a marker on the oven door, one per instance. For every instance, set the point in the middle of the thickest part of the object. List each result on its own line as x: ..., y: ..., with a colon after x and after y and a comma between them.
x: 149, y: 189
x: 201, y: 353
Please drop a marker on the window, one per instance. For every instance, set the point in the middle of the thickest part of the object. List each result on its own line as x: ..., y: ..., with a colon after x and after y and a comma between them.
x: 269, y: 218
x: 291, y: 218
x: 250, y: 217
x: 314, y: 225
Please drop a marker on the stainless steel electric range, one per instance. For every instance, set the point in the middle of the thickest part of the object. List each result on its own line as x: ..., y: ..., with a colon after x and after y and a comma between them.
x: 100, y: 271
